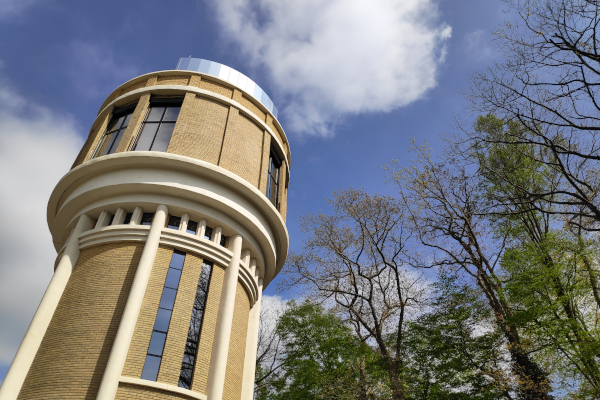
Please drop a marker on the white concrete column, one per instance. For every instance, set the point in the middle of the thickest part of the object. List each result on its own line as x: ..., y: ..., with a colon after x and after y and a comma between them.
x: 201, y: 228
x: 217, y: 235
x: 103, y: 219
x: 118, y: 355
x: 184, y: 222
x: 33, y: 338
x: 252, y: 344
x: 119, y: 216
x: 220, y: 349
x: 246, y: 257
x: 136, y: 217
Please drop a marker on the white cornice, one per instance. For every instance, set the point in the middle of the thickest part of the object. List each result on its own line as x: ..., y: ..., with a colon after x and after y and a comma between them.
x: 163, y: 387
x: 176, y: 239
x: 156, y: 177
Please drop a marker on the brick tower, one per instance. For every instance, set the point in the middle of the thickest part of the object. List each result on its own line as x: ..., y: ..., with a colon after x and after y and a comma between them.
x: 168, y: 228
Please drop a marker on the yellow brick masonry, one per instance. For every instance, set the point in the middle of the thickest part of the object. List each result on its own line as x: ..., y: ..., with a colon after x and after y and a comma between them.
x: 94, y: 137
x: 266, y: 151
x: 133, y: 392
x: 134, y: 123
x: 75, y: 349
x: 274, y: 129
x: 237, y: 346
x: 283, y: 191
x: 211, y: 86
x: 133, y: 87
x: 143, y: 328
x: 170, y: 366
x: 242, y: 147
x: 208, y: 330
x: 199, y: 130
x: 249, y: 104
x: 207, y: 130
x: 173, y: 80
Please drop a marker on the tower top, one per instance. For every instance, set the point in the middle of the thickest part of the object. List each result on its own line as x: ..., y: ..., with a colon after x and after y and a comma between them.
x: 230, y: 75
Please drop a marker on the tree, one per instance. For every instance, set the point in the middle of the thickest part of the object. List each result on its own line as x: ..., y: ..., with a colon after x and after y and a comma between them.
x: 448, y: 216
x: 320, y: 357
x: 548, y: 84
x: 269, y: 357
x: 353, y: 259
x: 552, y: 278
x: 455, y: 349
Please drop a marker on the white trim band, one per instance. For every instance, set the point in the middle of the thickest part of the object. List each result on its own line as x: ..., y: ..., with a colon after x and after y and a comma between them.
x: 162, y: 386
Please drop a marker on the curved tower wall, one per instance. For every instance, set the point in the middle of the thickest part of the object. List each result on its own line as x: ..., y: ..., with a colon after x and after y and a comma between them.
x: 208, y: 208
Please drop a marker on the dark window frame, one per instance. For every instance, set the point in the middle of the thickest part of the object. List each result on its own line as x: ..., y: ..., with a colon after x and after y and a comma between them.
x: 273, y: 178
x: 189, y: 229
x: 171, y: 222
x: 167, y: 103
x: 188, y: 363
x: 150, y: 370
x: 127, y: 112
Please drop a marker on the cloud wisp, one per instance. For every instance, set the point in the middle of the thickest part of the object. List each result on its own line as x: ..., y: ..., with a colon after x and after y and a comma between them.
x: 37, y: 147
x: 331, y: 58
x: 94, y: 68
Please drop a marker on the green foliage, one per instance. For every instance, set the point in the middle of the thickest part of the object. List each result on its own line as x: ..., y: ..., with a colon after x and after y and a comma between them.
x: 321, y: 357
x: 455, y: 351
x: 555, y: 306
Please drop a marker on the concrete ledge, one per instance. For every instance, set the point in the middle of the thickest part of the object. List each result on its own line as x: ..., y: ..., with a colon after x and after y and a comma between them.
x: 177, y: 239
x: 162, y: 386
x: 150, y: 178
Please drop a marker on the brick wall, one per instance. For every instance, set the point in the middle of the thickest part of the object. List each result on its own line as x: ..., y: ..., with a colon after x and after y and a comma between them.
x: 274, y: 129
x: 73, y: 354
x: 242, y: 149
x: 264, y: 169
x: 133, y: 392
x: 94, y: 137
x: 170, y: 366
x: 134, y: 123
x: 173, y: 80
x: 199, y: 129
x: 207, y: 334
x: 133, y: 87
x: 206, y: 130
x: 143, y: 328
x: 237, y: 346
x: 250, y: 105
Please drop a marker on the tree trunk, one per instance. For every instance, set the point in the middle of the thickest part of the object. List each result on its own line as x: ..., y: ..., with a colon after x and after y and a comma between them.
x: 395, y: 384
x: 362, y: 379
x: 532, y: 381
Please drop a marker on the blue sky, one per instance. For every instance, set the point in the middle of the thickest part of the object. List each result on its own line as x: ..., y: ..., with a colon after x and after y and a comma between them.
x: 353, y: 84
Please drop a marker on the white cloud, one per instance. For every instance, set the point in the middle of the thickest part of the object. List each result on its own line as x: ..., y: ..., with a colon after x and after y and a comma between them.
x: 94, y: 68
x: 37, y: 147
x: 477, y: 45
x: 330, y: 58
x: 10, y: 8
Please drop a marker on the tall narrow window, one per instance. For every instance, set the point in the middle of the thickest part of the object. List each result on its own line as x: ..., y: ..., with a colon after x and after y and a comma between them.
x: 273, y: 179
x: 191, y: 347
x: 114, y: 132
x: 163, y: 317
x: 157, y: 129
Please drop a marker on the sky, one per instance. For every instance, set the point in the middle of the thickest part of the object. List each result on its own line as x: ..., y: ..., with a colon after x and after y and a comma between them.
x: 353, y: 81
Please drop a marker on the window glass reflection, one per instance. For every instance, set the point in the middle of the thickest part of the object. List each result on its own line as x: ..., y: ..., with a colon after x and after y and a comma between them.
x: 158, y: 128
